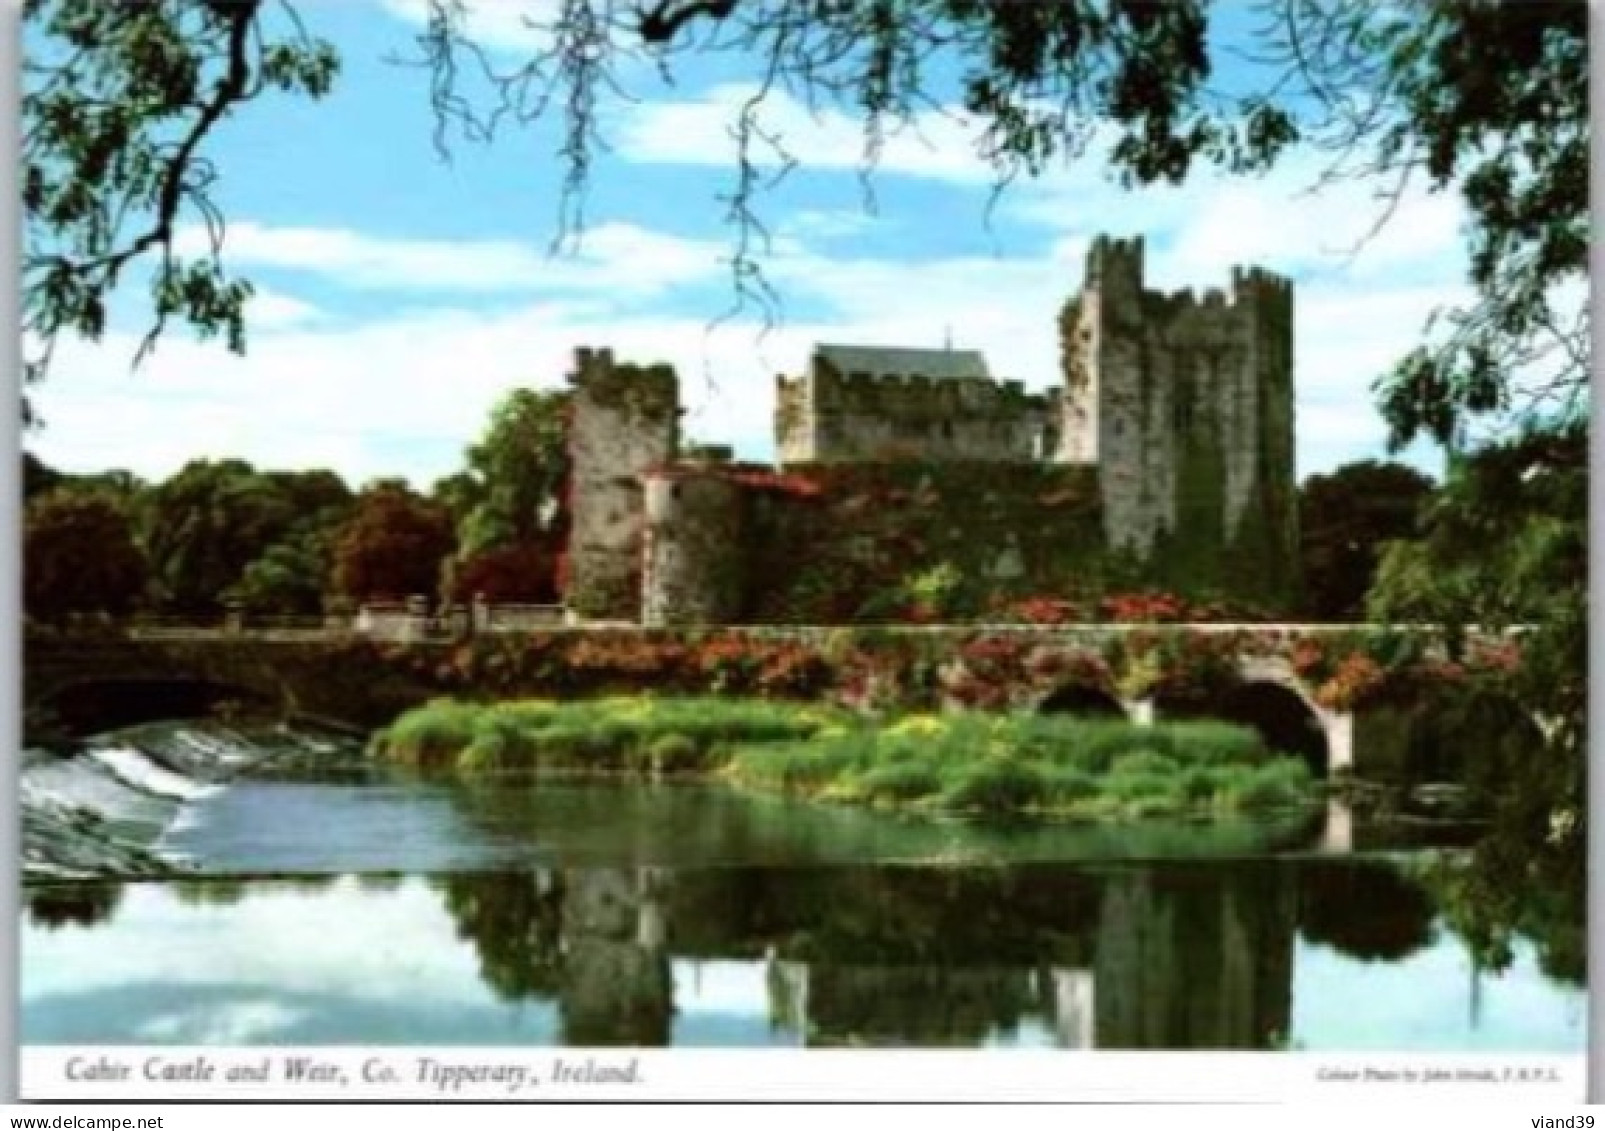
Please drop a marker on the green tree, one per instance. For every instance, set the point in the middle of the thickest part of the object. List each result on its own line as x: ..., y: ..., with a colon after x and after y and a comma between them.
x: 120, y: 484
x: 79, y: 556
x: 509, y: 504
x: 524, y: 572
x: 1481, y: 97
x: 1492, y: 99
x: 206, y: 524
x: 1344, y: 518
x: 518, y: 472
x: 393, y: 545
x: 1505, y: 545
x: 288, y: 579
x: 291, y: 575
x: 38, y: 477
x: 458, y: 493
x: 515, y: 926
x: 120, y: 102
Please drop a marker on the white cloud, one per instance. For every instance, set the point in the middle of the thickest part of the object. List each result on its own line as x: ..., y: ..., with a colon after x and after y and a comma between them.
x: 611, y: 257
x: 825, y: 224
x: 698, y: 131
x: 272, y: 310
x: 504, y: 25
x: 270, y: 938
x: 1295, y: 220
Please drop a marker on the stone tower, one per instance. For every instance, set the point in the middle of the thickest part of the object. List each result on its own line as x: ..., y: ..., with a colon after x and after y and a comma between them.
x: 695, y: 550
x: 1185, y: 404
x: 624, y: 420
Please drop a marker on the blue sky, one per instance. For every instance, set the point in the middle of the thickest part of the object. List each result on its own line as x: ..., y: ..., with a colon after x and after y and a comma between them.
x: 400, y: 296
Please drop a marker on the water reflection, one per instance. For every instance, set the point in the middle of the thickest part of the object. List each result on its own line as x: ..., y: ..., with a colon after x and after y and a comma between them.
x: 511, y: 825
x: 1247, y: 955
x: 1141, y: 957
x: 77, y: 905
x: 1397, y: 918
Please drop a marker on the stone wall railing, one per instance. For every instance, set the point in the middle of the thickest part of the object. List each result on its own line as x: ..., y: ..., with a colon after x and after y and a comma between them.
x: 412, y: 619
x: 395, y: 620
x: 518, y: 618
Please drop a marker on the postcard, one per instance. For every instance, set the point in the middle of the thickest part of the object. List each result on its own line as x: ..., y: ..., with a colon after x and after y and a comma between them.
x: 662, y: 549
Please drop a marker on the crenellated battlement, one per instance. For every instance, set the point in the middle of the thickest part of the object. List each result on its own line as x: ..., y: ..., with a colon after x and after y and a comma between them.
x: 915, y: 390
x: 1115, y: 262
x: 1257, y: 280
x: 598, y: 376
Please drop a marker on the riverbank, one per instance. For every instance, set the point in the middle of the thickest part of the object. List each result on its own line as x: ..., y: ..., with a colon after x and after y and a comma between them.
x: 1014, y: 764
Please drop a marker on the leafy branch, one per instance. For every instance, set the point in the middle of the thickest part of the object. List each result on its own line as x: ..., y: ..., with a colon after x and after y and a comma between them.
x: 119, y: 102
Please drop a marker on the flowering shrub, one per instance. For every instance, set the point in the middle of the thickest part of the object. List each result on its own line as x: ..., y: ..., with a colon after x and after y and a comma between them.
x: 560, y: 573
x: 625, y: 654
x: 1053, y: 667
x: 1197, y: 666
x: 1357, y: 678
x: 764, y: 479
x: 1039, y: 610
x: 793, y: 670
x: 1309, y: 659
x: 876, y: 670
x: 1502, y: 655
x: 967, y: 689
x: 1440, y: 671
x: 737, y: 664
x: 1143, y: 608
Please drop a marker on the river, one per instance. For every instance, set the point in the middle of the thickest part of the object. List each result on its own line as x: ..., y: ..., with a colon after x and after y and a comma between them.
x: 325, y: 902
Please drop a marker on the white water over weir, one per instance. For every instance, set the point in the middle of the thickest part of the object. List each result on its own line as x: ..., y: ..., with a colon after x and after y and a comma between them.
x: 101, y: 810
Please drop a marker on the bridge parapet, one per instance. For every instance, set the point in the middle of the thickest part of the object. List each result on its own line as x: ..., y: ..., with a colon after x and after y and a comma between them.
x: 337, y: 673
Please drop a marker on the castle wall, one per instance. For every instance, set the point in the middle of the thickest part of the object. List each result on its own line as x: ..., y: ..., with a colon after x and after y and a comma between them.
x: 624, y: 420
x: 832, y: 417
x: 837, y: 543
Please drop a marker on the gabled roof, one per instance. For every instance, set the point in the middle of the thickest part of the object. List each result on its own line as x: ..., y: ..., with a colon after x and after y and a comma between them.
x: 879, y: 360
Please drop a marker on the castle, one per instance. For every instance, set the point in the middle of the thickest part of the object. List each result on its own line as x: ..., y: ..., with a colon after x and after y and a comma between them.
x: 1165, y: 457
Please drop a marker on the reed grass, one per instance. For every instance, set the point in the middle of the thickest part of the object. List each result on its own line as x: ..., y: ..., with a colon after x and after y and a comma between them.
x: 965, y: 762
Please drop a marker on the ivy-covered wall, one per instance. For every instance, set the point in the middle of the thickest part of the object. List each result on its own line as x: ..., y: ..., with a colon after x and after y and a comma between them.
x: 916, y: 542
x: 883, y: 542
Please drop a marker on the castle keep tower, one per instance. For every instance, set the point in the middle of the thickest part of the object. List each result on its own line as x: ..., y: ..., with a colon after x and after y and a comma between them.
x: 625, y: 419
x: 1185, y: 404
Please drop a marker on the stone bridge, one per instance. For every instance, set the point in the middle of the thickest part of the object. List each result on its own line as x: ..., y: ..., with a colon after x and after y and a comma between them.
x: 1328, y: 742
x: 84, y: 681
x: 337, y: 675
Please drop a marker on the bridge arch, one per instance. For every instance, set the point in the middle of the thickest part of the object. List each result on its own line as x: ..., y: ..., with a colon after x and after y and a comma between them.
x: 1442, y: 734
x: 1269, y: 697
x: 1082, y: 699
x: 101, y: 703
